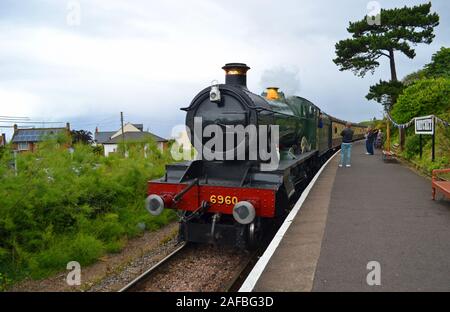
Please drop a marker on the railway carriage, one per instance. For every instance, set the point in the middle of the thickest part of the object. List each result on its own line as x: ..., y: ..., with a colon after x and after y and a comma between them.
x: 234, y: 201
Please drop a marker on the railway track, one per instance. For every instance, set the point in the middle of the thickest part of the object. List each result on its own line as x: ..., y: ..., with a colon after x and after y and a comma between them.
x: 138, y: 281
x: 193, y: 267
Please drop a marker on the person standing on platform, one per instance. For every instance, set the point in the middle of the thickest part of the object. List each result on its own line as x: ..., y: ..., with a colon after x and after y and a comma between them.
x: 371, y: 135
x: 346, y: 146
x: 379, y: 140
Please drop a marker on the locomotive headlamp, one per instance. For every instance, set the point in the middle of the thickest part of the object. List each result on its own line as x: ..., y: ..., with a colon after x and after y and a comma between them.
x: 214, y: 94
x: 154, y: 204
x: 244, y: 212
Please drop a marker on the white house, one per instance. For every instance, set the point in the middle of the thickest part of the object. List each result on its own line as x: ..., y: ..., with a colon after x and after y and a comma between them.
x: 131, y: 133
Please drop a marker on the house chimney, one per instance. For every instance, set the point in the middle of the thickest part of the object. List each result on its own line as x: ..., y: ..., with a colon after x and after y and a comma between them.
x: 96, y: 129
x: 15, y: 128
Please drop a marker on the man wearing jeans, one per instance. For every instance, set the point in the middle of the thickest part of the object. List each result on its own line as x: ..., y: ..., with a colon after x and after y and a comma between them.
x: 346, y: 146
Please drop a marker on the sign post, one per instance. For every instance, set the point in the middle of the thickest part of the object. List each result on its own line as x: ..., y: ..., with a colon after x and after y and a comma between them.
x: 425, y: 125
x: 432, y: 147
x: 420, y: 145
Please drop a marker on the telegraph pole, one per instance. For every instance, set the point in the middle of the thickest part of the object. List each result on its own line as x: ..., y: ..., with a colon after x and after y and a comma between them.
x: 123, y: 137
x: 15, y: 163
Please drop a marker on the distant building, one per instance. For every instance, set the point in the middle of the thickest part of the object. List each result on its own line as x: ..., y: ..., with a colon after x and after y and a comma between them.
x: 132, y: 133
x: 24, y: 140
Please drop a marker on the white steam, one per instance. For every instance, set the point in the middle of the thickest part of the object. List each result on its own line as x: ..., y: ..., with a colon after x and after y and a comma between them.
x: 287, y: 80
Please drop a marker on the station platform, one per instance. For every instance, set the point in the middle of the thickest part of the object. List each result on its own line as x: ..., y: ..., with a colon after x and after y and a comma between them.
x: 373, y: 211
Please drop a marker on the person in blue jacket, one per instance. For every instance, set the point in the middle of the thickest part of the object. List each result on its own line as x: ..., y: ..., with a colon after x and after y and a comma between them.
x: 370, y: 139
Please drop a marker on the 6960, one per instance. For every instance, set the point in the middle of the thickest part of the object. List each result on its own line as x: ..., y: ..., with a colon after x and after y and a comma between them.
x: 220, y: 199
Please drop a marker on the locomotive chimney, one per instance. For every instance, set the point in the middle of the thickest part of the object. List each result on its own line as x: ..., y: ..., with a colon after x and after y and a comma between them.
x: 236, y: 74
x: 272, y: 93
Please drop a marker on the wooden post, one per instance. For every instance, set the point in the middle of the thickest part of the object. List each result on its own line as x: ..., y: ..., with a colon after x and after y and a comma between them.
x: 432, y: 146
x: 433, y: 139
x: 388, y: 135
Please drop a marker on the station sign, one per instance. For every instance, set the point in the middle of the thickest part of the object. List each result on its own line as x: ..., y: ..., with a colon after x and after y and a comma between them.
x: 424, y: 125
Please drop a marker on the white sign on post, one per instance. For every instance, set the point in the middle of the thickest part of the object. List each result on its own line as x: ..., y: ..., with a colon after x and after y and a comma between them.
x: 424, y: 125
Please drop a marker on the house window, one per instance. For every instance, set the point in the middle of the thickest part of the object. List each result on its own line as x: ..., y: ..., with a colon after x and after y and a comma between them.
x: 22, y: 146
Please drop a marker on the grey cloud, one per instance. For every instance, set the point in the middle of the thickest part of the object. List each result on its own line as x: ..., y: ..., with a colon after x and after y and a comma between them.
x: 289, y: 44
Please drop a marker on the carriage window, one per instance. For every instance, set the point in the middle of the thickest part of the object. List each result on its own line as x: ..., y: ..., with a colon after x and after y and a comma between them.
x: 335, y: 129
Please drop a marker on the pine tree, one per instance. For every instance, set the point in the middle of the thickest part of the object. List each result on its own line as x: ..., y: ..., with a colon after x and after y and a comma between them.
x: 398, y: 29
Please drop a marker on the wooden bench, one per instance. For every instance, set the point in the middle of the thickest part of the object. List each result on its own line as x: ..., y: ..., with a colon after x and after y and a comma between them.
x: 390, y: 155
x: 440, y: 184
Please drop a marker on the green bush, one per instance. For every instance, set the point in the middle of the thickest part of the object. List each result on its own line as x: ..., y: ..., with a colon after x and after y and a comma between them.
x: 5, y: 282
x: 424, y: 97
x: 64, y: 206
x: 85, y: 248
x: 412, y: 146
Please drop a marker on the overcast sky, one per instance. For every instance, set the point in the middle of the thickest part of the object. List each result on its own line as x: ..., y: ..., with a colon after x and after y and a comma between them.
x: 150, y: 58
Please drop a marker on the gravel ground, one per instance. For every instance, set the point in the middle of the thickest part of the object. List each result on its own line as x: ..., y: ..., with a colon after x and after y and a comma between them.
x: 198, y: 268
x: 116, y: 281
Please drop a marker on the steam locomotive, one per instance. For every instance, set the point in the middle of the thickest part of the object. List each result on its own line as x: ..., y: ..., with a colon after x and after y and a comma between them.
x: 235, y: 193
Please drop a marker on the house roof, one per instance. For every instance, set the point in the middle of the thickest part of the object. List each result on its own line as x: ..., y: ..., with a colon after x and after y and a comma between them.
x: 134, y: 137
x: 103, y: 136
x: 34, y: 134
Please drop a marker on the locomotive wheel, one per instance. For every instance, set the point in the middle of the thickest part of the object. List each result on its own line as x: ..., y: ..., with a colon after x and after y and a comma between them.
x: 253, y: 235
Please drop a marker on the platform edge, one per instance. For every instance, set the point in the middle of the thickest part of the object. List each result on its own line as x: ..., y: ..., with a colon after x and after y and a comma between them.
x: 259, y: 267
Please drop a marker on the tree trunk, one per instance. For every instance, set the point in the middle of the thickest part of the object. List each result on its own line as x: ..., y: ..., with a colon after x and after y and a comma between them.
x: 402, y: 133
x: 392, y: 63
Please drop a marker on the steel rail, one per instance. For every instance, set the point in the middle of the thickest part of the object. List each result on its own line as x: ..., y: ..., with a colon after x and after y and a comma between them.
x: 134, y: 283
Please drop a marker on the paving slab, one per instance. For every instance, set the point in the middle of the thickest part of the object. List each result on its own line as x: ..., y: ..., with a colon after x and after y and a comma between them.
x: 373, y: 211
x: 383, y: 212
